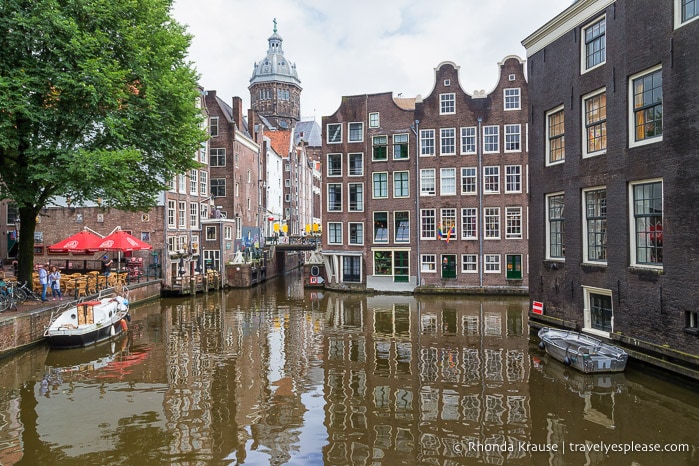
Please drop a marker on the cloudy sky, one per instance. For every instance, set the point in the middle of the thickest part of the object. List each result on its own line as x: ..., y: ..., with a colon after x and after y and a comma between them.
x: 361, y: 46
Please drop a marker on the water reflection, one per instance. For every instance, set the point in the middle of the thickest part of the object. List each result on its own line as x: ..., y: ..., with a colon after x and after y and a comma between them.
x: 279, y: 375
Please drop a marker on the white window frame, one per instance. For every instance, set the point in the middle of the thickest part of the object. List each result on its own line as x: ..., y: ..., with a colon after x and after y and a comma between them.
x: 632, y: 223
x: 360, y: 238
x: 447, y: 179
x: 335, y: 204
x: 469, y: 173
x: 512, y: 98
x: 632, y: 123
x: 373, y: 185
x: 333, y: 229
x: 447, y: 141
x: 547, y: 136
x: 334, y: 157
x: 330, y: 134
x: 359, y: 207
x: 469, y: 260
x: 513, y: 179
x: 514, y: 223
x: 587, y: 316
x: 585, y: 230
x: 583, y: 44
x: 447, y: 103
x: 602, y: 121
x: 491, y: 213
x: 492, y: 263
x: 470, y: 213
x: 427, y: 174
x: 469, y: 140
x: 427, y: 144
x: 560, y: 258
x: 513, y: 137
x: 374, y: 120
x: 679, y: 22
x: 395, y: 194
x: 491, y: 138
x: 350, y: 171
x: 428, y: 263
x: 351, y: 130
x: 492, y: 172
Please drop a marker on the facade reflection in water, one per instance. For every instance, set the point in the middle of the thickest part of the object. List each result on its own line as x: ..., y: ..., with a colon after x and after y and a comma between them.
x: 279, y: 375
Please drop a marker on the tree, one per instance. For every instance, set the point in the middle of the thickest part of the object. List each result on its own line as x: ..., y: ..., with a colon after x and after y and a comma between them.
x: 97, y: 100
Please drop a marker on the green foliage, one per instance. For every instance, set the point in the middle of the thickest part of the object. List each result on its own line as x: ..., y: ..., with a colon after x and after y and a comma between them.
x: 97, y: 100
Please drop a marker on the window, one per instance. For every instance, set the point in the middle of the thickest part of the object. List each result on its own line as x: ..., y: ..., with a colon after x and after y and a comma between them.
x: 334, y: 197
x: 203, y: 182
x: 210, y: 233
x: 469, y: 180
x: 555, y: 246
x: 12, y: 214
x: 352, y: 269
x: 595, y: 235
x: 491, y: 139
x: 447, y: 181
x: 447, y: 103
x: 356, y: 233
x: 380, y: 148
x: 468, y: 140
x: 217, y: 157
x: 218, y: 187
x: 492, y: 263
x: 428, y: 263
x: 513, y: 178
x: 427, y: 182
x: 492, y: 222
x: 381, y: 227
x: 555, y: 136
x: 380, y: 180
x: 513, y: 137
x: 193, y: 182
x: 383, y: 262
x: 469, y: 218
x: 356, y: 164
x: 469, y: 263
x: 400, y: 146
x: 182, y: 214
x: 213, y: 126
x: 182, y: 183
x: 401, y: 184
x: 513, y: 222
x: 356, y: 132
x: 598, y: 311
x: 227, y: 232
x: 594, y: 45
x: 447, y: 140
x: 491, y: 180
x: 193, y: 214
x: 447, y: 227
x: 402, y: 226
x: 647, y: 225
x: 428, y: 225
x: 426, y: 142
x: 647, y: 107
x: 334, y: 164
x: 685, y: 10
x: 512, y: 99
x: 334, y: 133
x: 204, y: 211
x: 595, y: 121
x: 356, y: 197
x: 171, y: 215
x: 335, y: 233
x: 374, y: 120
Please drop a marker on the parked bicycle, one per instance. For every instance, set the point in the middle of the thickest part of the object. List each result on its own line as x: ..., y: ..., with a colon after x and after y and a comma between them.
x: 12, y: 294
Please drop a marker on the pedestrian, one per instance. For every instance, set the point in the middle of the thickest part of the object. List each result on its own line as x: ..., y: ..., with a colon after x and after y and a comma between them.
x: 106, y: 265
x: 55, y: 281
x: 43, y: 281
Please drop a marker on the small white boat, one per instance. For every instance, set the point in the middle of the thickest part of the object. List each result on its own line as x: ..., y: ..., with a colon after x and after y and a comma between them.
x: 89, y: 322
x: 582, y: 352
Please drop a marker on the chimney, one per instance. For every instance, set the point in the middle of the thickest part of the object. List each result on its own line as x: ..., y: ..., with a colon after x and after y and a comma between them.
x: 252, y: 126
x: 237, y: 110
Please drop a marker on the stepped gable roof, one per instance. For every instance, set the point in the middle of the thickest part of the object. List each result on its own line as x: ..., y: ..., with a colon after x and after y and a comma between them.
x: 275, y: 67
x: 308, y: 132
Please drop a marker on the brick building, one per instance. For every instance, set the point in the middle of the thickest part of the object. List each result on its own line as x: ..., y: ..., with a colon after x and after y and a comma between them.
x: 613, y: 175
x: 429, y: 193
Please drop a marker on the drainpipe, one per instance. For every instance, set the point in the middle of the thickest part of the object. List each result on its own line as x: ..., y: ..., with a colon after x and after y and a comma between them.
x: 481, y: 227
x: 415, y: 127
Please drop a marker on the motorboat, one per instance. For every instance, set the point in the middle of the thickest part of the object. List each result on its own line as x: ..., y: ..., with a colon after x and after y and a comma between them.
x: 581, y: 351
x: 89, y: 321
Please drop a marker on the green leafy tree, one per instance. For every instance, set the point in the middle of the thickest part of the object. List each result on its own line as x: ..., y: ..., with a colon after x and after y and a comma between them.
x: 97, y: 100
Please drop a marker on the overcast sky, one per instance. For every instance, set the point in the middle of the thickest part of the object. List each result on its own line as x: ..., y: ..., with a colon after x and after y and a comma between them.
x: 343, y: 48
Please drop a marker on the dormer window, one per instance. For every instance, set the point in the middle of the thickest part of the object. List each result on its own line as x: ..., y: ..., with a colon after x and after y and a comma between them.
x: 447, y: 82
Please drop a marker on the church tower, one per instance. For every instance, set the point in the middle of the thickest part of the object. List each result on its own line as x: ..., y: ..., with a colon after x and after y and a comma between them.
x: 275, y: 88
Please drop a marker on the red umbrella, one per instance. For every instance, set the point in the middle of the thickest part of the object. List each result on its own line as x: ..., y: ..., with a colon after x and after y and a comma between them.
x: 82, y: 242
x: 122, y: 241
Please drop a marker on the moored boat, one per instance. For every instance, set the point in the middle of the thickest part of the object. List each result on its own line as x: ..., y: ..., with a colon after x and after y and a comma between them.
x: 582, y: 352
x: 89, y: 322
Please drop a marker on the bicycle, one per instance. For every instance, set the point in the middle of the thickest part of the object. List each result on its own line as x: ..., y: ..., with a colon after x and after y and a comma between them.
x: 8, y: 298
x: 26, y: 294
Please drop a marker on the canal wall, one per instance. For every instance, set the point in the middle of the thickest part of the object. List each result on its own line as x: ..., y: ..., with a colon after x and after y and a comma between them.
x: 25, y: 327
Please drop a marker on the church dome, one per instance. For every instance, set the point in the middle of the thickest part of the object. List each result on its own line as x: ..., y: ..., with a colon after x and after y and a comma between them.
x: 275, y: 67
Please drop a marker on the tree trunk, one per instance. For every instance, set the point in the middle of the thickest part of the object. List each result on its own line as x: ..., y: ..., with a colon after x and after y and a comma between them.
x: 25, y: 253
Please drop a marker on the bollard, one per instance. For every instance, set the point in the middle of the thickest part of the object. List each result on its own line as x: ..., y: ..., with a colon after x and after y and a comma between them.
x: 193, y: 285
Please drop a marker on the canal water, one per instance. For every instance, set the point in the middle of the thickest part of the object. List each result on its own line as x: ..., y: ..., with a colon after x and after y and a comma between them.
x: 282, y: 375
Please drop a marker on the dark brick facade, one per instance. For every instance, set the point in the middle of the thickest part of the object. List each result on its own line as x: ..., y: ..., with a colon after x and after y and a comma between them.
x: 652, y: 303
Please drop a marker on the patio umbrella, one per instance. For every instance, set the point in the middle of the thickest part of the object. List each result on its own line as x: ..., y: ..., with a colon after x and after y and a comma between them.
x: 121, y: 241
x: 82, y: 242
